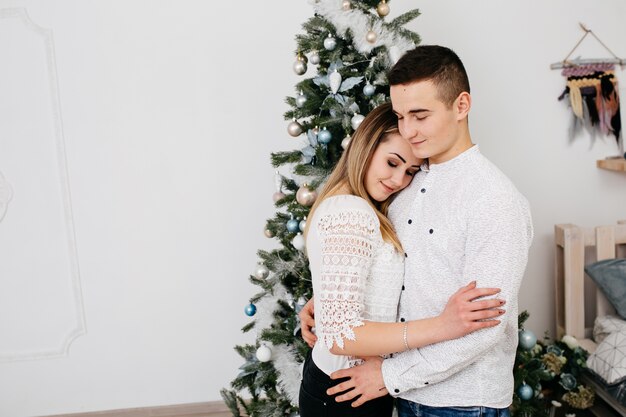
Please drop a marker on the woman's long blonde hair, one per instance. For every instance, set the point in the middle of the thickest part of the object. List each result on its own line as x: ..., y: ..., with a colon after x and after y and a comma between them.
x: 352, y: 166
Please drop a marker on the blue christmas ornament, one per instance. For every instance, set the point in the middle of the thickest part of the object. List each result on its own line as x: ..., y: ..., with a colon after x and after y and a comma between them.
x: 527, y: 339
x: 324, y: 136
x: 250, y: 310
x: 525, y: 392
x: 293, y: 226
x: 369, y: 90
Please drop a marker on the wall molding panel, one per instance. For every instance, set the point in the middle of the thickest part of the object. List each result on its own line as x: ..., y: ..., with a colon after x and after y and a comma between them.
x: 41, y: 305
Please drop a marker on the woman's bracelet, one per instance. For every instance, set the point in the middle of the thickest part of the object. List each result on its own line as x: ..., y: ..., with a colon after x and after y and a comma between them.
x: 404, y: 334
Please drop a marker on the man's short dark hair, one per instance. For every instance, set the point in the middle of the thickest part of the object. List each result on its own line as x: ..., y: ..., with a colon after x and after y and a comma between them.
x: 435, y: 63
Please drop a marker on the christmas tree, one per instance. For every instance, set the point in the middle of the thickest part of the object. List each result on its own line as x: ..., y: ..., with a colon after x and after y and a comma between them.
x: 351, y: 47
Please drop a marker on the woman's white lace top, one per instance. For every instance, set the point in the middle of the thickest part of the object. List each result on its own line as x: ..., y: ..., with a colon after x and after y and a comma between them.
x: 356, y: 275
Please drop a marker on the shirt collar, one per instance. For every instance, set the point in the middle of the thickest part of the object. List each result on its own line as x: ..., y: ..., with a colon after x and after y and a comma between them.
x: 465, y: 155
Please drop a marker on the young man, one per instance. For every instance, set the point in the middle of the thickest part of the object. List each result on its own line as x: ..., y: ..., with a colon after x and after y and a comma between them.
x: 461, y: 218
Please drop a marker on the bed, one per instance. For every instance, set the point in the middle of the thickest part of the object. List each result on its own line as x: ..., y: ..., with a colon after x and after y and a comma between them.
x: 580, y: 303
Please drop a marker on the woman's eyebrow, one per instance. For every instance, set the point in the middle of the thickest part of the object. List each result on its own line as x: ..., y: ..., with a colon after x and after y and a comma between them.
x: 401, y: 158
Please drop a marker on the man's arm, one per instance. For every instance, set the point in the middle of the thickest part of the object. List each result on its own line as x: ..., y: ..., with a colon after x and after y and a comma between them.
x: 498, y: 238
x: 497, y: 245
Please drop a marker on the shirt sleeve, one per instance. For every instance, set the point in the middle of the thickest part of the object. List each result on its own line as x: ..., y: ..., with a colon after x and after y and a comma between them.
x: 498, y: 238
x: 348, y: 241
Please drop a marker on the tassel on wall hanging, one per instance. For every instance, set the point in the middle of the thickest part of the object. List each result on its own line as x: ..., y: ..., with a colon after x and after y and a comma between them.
x: 591, y: 88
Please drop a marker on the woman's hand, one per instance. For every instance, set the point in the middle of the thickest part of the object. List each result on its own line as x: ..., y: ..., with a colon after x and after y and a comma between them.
x: 307, y: 322
x: 463, y: 315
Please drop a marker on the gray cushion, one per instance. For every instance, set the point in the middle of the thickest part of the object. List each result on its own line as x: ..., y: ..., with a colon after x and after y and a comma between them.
x: 610, y: 276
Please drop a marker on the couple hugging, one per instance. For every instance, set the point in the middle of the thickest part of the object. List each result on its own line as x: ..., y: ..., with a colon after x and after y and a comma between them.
x: 392, y: 310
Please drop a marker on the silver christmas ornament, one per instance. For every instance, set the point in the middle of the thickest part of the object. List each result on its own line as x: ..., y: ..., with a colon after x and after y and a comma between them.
x: 305, y: 196
x: 346, y: 142
x: 298, y: 242
x: 346, y: 5
x: 302, y: 225
x: 294, y: 129
x: 293, y: 226
x: 330, y: 43
x: 300, y: 100
x: 527, y: 339
x: 356, y: 120
x: 369, y: 90
x: 261, y: 272
x: 334, y: 79
x: 299, y: 67
x: 371, y: 36
x: 314, y: 58
x: 264, y: 353
x: 382, y: 8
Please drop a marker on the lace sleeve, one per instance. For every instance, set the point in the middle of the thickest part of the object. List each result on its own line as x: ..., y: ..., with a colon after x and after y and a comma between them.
x: 347, y: 246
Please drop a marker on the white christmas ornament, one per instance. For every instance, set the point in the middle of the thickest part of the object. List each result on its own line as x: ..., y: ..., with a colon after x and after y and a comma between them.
x: 261, y: 272
x: 356, y: 120
x: 264, y: 353
x: 334, y: 79
x: 298, y: 242
x: 314, y: 58
x: 330, y: 43
x: 299, y: 67
x: 346, y: 142
x: 300, y: 100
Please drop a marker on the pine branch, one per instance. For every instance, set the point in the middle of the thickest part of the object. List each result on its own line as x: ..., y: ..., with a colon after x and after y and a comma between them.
x: 403, y: 19
x: 282, y: 158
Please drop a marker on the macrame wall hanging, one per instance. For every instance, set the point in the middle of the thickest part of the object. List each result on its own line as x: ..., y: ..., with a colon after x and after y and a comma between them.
x: 592, y: 91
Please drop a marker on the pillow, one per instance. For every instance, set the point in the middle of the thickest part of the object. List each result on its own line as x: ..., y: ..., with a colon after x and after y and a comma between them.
x: 610, y: 276
x: 605, y: 325
x: 609, y: 359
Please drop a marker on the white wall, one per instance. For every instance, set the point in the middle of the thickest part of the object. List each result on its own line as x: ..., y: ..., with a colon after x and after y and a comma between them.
x: 169, y: 112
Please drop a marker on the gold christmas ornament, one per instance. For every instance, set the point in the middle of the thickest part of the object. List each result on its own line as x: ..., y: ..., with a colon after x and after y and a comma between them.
x: 346, y: 5
x: 294, y: 129
x: 382, y: 8
x: 371, y: 36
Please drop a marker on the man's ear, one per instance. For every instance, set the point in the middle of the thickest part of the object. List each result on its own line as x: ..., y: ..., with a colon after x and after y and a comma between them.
x: 462, y: 105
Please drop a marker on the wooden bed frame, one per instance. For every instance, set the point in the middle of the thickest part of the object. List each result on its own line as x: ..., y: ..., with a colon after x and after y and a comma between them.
x: 571, y: 285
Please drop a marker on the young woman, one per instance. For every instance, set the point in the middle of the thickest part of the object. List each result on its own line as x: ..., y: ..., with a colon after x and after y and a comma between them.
x: 357, y: 265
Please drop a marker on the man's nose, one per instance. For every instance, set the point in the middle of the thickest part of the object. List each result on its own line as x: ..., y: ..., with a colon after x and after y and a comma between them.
x: 408, y: 130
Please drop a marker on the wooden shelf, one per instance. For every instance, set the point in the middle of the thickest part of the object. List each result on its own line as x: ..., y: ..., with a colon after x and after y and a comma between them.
x: 612, y: 164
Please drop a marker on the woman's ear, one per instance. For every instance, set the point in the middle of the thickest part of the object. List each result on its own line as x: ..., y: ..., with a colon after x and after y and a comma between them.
x: 462, y: 105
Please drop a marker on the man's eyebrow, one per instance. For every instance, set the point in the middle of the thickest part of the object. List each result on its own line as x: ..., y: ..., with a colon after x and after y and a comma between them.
x: 413, y: 111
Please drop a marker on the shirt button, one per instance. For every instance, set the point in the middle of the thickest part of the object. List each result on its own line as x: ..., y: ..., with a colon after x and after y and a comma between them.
x: 405, y: 255
x: 403, y: 288
x: 423, y: 190
x: 410, y: 221
x: 425, y: 383
x: 431, y: 231
x: 396, y: 390
x: 402, y: 319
